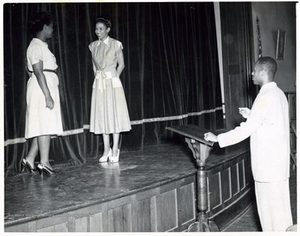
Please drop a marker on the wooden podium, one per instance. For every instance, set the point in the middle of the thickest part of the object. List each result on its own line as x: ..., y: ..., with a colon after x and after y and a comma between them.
x: 194, y: 137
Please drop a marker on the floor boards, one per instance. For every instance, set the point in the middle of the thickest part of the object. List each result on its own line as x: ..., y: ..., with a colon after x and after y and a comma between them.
x: 75, y: 185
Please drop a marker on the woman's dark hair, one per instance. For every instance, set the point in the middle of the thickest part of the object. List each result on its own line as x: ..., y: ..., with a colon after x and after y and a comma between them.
x: 106, y: 22
x: 38, y: 21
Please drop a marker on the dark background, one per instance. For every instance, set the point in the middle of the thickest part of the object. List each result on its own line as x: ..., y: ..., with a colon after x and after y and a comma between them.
x: 171, y: 74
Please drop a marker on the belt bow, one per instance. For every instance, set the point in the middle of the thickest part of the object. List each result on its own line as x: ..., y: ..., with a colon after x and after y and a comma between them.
x: 100, y: 76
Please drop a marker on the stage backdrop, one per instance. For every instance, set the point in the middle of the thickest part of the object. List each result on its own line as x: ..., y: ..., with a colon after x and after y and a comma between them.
x: 171, y: 75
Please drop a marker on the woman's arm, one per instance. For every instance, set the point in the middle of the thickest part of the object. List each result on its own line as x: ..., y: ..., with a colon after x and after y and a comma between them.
x: 120, y: 58
x: 38, y: 71
x: 94, y: 66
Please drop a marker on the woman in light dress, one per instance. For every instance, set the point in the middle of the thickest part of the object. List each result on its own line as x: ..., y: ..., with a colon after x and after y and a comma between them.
x: 109, y: 112
x: 43, y: 114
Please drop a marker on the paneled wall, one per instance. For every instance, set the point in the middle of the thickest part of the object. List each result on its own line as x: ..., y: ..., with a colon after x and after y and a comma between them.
x: 169, y: 207
x: 292, y: 98
x: 230, y: 189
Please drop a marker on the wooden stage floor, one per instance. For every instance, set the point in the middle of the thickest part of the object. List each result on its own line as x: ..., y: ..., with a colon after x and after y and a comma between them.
x: 30, y: 196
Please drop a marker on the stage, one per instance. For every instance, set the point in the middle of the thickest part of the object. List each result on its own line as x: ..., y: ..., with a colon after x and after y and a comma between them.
x: 149, y: 190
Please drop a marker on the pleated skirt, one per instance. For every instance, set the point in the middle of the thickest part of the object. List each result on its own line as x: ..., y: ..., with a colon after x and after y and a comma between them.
x: 109, y: 111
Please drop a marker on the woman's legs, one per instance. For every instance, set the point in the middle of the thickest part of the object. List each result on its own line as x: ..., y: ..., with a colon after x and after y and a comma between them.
x: 33, y: 151
x: 115, y: 148
x: 106, y: 144
x: 40, y: 144
x: 44, y: 147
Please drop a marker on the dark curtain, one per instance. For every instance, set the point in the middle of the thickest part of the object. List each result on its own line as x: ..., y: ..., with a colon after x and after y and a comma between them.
x: 171, y: 75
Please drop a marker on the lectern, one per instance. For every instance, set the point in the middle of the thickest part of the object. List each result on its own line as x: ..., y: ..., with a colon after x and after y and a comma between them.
x: 194, y: 137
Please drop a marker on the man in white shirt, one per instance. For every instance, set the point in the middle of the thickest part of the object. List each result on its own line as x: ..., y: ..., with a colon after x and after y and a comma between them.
x: 267, y: 125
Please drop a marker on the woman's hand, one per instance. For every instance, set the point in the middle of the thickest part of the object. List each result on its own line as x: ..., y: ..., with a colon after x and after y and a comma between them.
x: 49, y: 102
x: 38, y: 71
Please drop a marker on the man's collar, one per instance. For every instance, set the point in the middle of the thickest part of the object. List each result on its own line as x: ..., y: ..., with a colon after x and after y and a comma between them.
x: 268, y: 86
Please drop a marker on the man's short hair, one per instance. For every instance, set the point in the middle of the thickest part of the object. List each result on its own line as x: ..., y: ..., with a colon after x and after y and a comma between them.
x: 268, y: 64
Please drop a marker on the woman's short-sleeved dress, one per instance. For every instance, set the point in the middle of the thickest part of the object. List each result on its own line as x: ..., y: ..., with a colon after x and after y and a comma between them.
x: 39, y: 119
x: 109, y: 112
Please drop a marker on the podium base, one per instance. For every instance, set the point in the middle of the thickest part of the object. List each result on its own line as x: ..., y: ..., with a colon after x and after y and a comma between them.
x: 209, y: 226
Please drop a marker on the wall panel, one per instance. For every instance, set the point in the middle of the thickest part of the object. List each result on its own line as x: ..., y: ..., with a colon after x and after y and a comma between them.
x: 171, y: 206
x: 169, y: 211
x: 185, y: 213
x: 233, y: 188
x: 168, y: 207
x: 226, y: 185
x: 144, y: 215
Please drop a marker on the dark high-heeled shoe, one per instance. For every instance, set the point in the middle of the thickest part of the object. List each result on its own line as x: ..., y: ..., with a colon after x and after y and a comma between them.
x: 27, y: 165
x: 45, y: 169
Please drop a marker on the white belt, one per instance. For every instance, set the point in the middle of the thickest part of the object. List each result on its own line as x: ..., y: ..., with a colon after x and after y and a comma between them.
x: 100, y: 76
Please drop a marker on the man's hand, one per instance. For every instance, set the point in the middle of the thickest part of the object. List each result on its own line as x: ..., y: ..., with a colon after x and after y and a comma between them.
x: 210, y: 137
x: 244, y: 111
